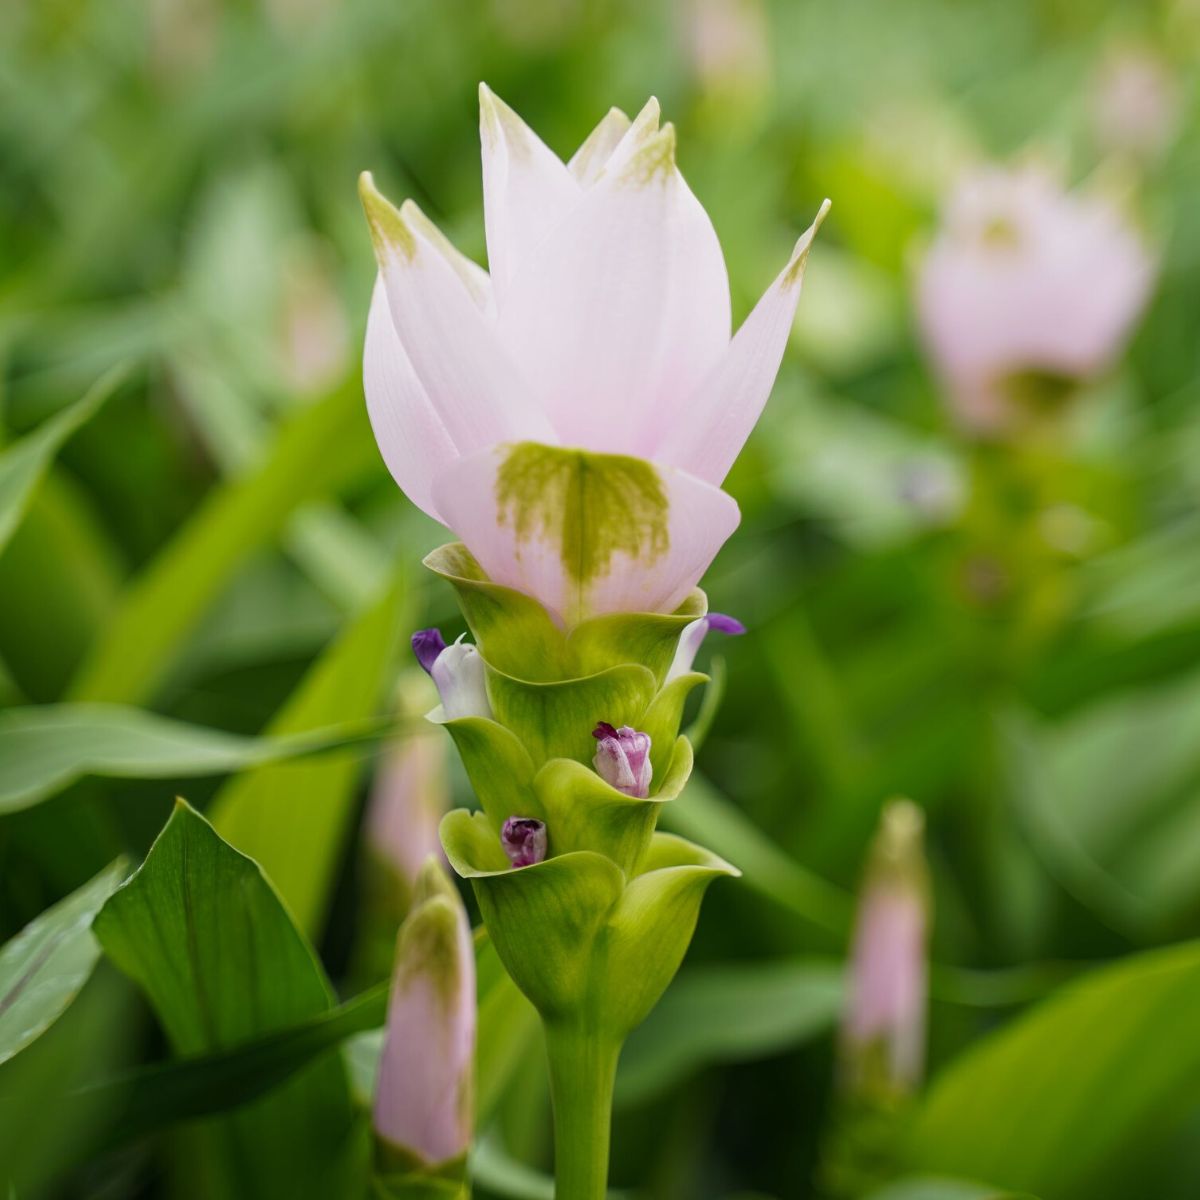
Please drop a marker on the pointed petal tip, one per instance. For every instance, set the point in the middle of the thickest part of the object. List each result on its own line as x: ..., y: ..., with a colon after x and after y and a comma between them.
x: 794, y: 272
x: 654, y: 158
x: 388, y: 229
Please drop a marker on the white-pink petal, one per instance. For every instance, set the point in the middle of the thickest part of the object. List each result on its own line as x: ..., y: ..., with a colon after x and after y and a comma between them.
x: 588, y: 161
x: 441, y: 319
x: 624, y: 308
x: 411, y: 437
x: 527, y: 189
x: 699, y: 519
x: 706, y: 434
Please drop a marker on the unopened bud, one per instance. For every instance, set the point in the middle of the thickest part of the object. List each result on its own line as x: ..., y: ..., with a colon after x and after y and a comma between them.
x: 623, y: 759
x: 884, y: 1025
x: 692, y: 638
x: 458, y: 672
x: 524, y: 841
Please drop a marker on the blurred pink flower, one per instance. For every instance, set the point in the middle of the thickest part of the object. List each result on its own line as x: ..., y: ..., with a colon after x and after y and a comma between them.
x: 603, y: 325
x: 425, y: 1095
x: 884, y: 1024
x: 1025, y: 278
x: 409, y: 798
x: 1135, y: 103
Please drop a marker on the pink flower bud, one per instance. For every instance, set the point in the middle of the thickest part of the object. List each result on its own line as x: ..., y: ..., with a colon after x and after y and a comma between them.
x: 524, y: 841
x: 883, y: 1036
x: 623, y: 759
x: 424, y: 1097
x: 1027, y: 283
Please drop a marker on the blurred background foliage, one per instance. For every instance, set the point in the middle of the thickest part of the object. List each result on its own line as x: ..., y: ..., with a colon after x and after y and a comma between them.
x: 1008, y: 634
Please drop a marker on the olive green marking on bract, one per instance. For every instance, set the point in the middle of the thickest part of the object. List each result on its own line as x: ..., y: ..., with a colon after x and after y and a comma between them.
x: 427, y: 948
x: 593, y: 505
x: 388, y: 229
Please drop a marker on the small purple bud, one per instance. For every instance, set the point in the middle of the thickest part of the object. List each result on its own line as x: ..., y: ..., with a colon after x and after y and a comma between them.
x: 623, y: 759
x: 427, y: 645
x: 692, y: 638
x: 524, y: 841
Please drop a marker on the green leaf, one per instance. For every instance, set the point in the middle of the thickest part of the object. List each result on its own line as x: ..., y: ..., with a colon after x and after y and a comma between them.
x: 730, y: 1013
x: 929, y: 1188
x: 293, y: 818
x: 156, y: 1096
x: 1059, y: 1101
x: 709, y: 818
x: 205, y: 936
x: 23, y: 464
x: 45, y: 965
x: 318, y: 451
x: 47, y: 747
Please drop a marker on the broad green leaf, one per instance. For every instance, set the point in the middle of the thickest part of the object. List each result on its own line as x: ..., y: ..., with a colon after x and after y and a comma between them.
x: 929, y: 1188
x: 204, y: 934
x: 159, y: 1095
x: 47, y: 747
x: 45, y: 965
x: 707, y: 817
x: 730, y: 1013
x: 1059, y: 1101
x: 45, y: 1123
x: 320, y: 449
x: 59, y: 580
x: 293, y: 818
x: 23, y: 464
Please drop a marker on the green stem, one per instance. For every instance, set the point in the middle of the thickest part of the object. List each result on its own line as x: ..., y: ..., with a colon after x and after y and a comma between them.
x: 583, y: 1068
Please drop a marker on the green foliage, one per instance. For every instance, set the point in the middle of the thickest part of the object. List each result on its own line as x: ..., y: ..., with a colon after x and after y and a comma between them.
x: 23, y: 464
x: 727, y: 1014
x: 293, y: 819
x: 205, y: 936
x: 45, y: 748
x: 1065, y: 1101
x: 45, y: 965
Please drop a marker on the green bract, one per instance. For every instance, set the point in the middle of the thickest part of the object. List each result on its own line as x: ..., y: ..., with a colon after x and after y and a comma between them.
x: 598, y: 929
x: 594, y: 933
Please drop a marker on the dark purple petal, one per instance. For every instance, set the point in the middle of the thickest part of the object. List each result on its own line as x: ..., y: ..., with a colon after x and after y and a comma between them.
x: 428, y: 645
x: 604, y: 730
x: 524, y: 841
x: 725, y: 624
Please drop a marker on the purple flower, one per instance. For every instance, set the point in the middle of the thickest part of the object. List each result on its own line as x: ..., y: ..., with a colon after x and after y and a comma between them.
x: 524, y: 841
x: 623, y: 759
x: 458, y: 672
x: 427, y: 645
x: 692, y: 638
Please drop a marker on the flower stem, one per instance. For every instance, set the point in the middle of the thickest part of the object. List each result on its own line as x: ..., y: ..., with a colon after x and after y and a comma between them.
x: 583, y: 1068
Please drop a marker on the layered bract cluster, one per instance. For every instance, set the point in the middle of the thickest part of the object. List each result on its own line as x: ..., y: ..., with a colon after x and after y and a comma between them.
x: 594, y: 932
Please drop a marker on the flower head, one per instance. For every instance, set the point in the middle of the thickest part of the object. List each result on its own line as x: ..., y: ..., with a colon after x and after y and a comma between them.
x: 623, y: 759
x: 572, y: 413
x: 424, y: 1098
x: 1027, y: 284
x: 524, y: 841
x: 457, y: 670
x: 884, y: 1025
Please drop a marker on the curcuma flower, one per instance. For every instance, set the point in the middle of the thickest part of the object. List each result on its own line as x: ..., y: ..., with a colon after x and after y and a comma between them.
x: 1027, y: 291
x: 883, y: 1032
x: 571, y: 414
x: 424, y: 1099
